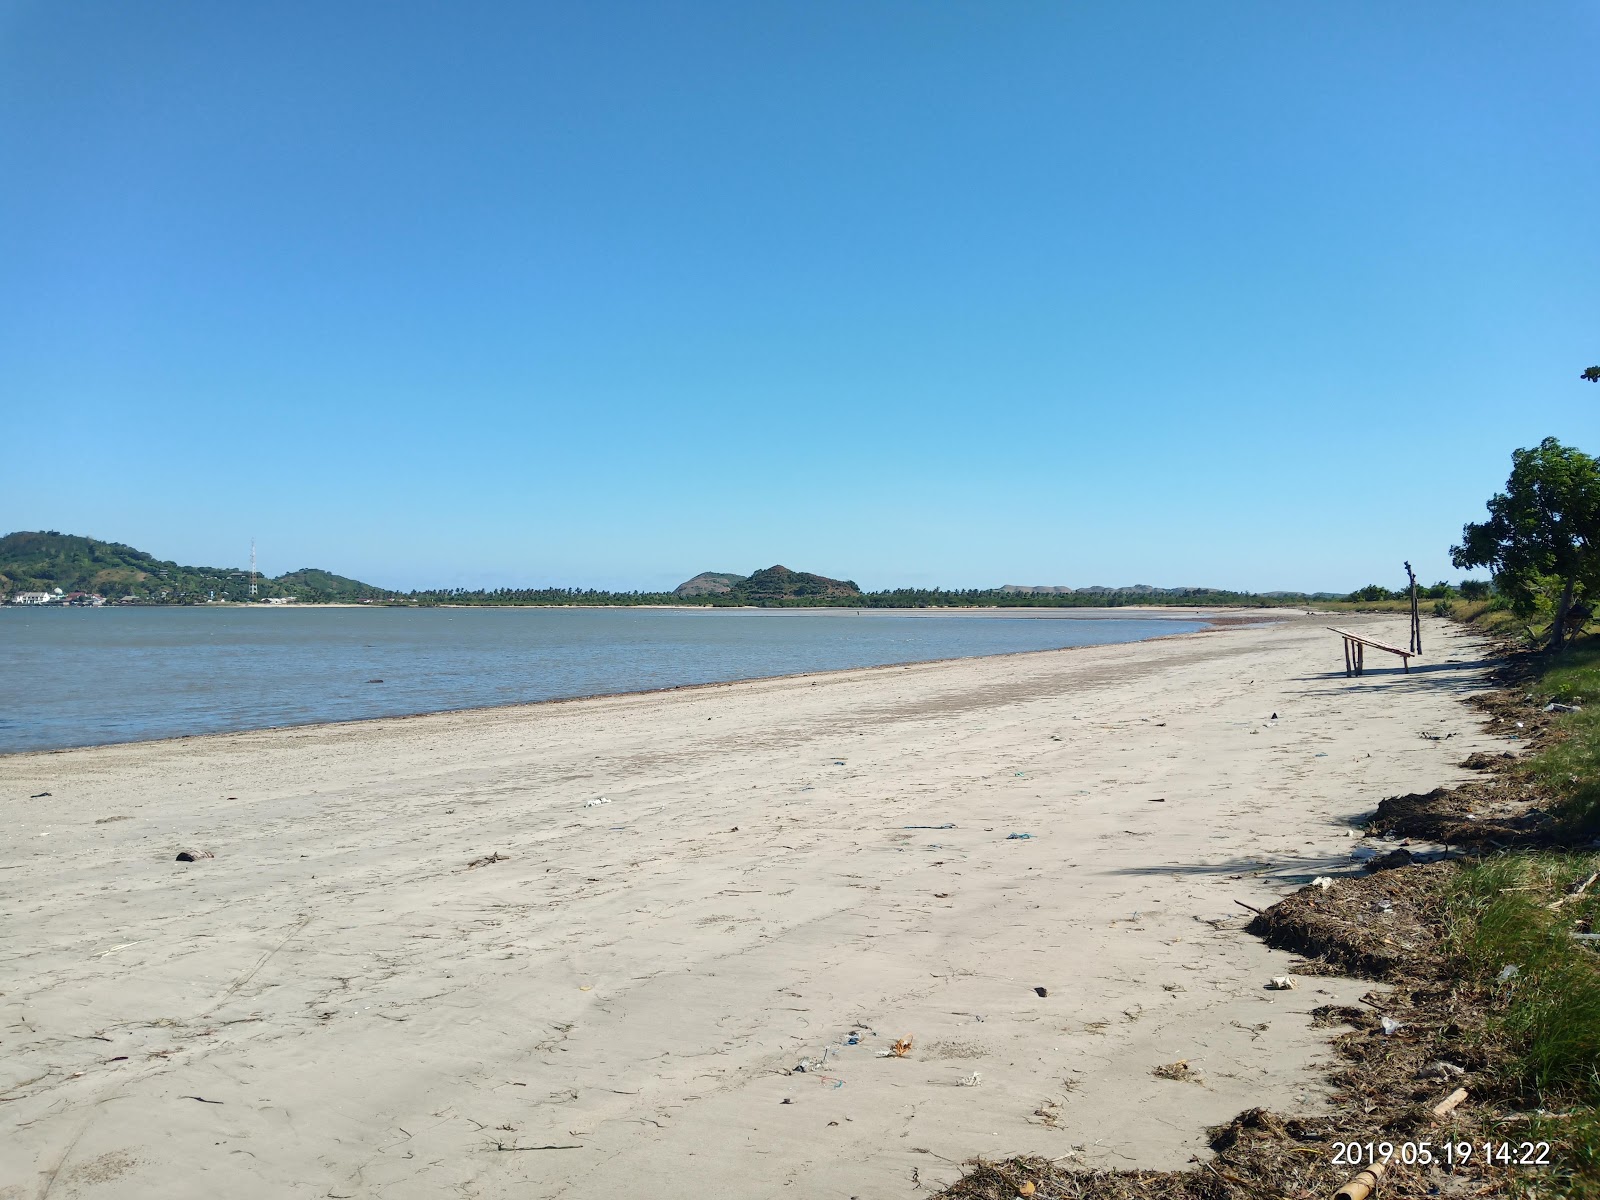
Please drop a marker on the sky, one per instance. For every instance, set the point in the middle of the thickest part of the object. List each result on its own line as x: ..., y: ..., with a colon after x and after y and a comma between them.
x: 1247, y: 295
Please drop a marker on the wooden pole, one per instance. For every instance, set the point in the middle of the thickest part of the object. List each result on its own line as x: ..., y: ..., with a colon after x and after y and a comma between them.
x: 1347, y: 669
x: 1416, y: 617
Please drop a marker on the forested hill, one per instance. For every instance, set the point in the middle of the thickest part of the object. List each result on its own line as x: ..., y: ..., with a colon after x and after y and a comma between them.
x: 42, y: 562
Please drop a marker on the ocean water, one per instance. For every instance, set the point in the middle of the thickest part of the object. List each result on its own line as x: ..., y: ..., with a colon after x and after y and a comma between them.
x: 81, y: 677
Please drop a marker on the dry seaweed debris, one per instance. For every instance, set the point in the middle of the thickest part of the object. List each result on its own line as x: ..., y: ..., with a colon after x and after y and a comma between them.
x: 1375, y: 931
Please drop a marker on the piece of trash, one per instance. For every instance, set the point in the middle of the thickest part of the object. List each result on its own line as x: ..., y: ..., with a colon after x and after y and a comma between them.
x: 838, y: 762
x: 1441, y: 1070
x: 1383, y: 905
x: 586, y: 987
x: 1020, y: 775
x: 1282, y: 983
x: 786, y: 1100
x: 1175, y: 1070
x: 972, y: 1080
x: 900, y: 1049
x: 1319, y: 756
x: 596, y: 802
x: 1553, y: 707
x: 1509, y: 971
x: 194, y: 855
x: 1018, y: 837
x: 202, y: 1099
x: 1157, y: 799
x: 1041, y: 992
x: 487, y: 859
x: 38, y: 796
x: 947, y: 826
x: 941, y: 895
x: 1274, y: 716
x: 1323, y: 882
x: 1391, y: 1026
x: 1363, y: 853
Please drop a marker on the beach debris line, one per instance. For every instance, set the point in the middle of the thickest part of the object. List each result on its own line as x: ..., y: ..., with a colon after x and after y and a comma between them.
x: 194, y: 855
x: 487, y: 859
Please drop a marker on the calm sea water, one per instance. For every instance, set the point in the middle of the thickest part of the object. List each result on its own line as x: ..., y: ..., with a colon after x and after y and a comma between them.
x: 81, y: 677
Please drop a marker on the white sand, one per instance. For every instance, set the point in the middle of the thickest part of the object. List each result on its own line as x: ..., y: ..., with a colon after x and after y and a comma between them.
x: 637, y: 979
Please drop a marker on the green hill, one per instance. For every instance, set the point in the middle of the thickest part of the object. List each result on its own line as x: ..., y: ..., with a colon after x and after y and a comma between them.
x: 776, y: 584
x: 44, y: 561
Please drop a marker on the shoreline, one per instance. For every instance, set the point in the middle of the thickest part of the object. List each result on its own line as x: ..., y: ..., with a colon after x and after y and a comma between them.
x: 407, y: 918
x: 1214, y: 625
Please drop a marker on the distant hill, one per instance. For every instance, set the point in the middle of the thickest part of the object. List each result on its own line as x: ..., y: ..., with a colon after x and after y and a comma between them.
x: 775, y: 585
x: 708, y: 583
x: 44, y: 561
x: 780, y: 583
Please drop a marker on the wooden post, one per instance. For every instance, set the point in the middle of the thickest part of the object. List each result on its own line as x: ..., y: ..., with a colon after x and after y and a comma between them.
x: 1416, y: 617
x: 1347, y: 663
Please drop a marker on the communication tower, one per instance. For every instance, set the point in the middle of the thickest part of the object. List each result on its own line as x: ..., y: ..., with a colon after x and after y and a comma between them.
x: 252, y: 566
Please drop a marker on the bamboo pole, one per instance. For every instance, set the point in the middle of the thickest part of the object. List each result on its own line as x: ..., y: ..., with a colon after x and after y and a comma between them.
x: 1364, y: 1184
x: 1446, y: 1105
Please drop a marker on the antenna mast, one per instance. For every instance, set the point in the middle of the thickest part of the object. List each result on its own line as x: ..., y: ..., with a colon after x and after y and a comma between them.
x: 252, y: 566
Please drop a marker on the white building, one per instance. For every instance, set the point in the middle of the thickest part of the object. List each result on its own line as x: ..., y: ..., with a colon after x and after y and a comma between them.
x: 32, y: 598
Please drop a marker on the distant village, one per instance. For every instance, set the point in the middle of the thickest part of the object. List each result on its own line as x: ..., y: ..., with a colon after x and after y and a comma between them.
x: 94, y: 600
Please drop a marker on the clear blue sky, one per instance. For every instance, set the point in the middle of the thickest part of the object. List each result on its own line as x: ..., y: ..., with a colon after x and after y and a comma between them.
x: 1245, y: 294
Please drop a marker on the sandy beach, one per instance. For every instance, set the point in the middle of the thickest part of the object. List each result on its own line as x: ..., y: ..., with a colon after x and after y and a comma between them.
x: 1027, y: 865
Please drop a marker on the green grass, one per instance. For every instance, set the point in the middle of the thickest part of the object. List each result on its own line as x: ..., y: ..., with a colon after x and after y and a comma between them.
x: 1546, y: 1016
x: 1549, y: 1010
x: 1568, y: 769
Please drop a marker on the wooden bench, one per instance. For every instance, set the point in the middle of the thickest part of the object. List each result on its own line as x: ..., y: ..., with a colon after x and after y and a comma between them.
x: 1354, y: 643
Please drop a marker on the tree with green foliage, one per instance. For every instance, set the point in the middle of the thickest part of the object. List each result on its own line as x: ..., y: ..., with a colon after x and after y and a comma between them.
x: 1542, y: 538
x: 1592, y: 375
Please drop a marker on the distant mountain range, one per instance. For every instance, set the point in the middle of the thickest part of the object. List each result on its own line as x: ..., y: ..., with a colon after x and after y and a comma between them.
x: 43, y: 562
x: 47, y: 561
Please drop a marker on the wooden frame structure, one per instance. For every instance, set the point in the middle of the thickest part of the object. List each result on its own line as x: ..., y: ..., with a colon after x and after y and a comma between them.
x: 1354, y: 644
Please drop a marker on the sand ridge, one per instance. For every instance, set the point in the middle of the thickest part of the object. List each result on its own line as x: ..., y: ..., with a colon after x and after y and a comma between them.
x: 337, y: 1004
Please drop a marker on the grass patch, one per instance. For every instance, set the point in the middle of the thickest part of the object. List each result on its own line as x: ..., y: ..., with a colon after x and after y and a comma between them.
x: 1545, y: 983
x: 1568, y: 769
x: 1543, y: 1037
